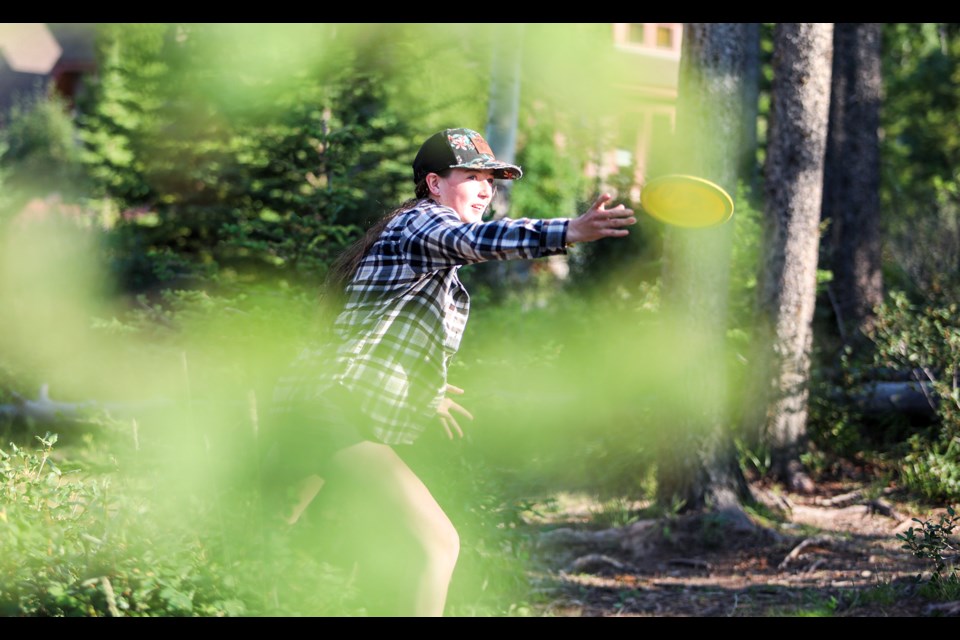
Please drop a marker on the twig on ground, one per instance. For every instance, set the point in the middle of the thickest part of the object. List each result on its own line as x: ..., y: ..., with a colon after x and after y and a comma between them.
x: 690, y: 562
x: 597, y: 562
x: 883, y: 507
x: 797, y: 551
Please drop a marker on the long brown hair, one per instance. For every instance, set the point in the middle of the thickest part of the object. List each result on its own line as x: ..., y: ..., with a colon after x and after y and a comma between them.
x: 346, y: 264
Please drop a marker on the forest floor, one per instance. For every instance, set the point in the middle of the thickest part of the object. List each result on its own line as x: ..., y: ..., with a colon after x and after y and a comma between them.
x: 832, y: 552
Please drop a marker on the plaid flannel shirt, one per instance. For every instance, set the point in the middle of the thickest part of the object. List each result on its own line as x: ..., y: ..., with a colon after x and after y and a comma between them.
x: 406, y: 310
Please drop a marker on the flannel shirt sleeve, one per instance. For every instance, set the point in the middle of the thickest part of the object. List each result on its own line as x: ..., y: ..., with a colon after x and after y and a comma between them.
x: 436, y: 238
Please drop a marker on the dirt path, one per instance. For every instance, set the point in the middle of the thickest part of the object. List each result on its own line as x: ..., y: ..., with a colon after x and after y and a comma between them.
x: 834, y: 553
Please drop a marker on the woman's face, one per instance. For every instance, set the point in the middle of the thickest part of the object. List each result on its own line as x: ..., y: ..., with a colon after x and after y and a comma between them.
x: 466, y: 191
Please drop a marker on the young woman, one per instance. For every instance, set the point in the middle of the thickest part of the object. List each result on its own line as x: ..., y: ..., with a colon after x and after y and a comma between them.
x: 381, y: 380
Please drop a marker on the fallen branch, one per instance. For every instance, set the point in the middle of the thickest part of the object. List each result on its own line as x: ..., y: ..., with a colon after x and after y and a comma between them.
x: 883, y: 507
x: 771, y: 500
x: 43, y: 409
x: 565, y: 537
x: 597, y: 563
x: 915, y: 398
x: 690, y: 562
x: 945, y: 608
x: 797, y: 551
x: 847, y: 499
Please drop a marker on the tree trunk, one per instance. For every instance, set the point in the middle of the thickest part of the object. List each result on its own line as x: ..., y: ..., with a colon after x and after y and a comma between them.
x: 698, y: 465
x: 851, y: 180
x: 749, y: 169
x: 503, y: 115
x: 793, y: 185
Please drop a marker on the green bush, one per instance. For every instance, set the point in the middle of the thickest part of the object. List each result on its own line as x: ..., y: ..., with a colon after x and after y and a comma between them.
x: 936, y: 542
x: 80, y: 544
x: 924, y: 339
x: 38, y: 150
x: 73, y: 545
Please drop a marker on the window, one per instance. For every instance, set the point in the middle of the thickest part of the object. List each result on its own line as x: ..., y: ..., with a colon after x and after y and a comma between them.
x: 635, y: 33
x: 658, y: 39
x: 665, y: 37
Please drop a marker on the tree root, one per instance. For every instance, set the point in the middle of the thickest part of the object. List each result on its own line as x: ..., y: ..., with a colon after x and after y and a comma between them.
x: 812, y: 542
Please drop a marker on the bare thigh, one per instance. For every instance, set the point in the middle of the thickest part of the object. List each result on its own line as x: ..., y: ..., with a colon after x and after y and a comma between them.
x: 402, y: 542
x: 376, y: 482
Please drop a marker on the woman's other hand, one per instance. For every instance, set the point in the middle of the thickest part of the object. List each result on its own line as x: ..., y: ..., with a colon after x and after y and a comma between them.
x: 599, y: 222
x: 446, y: 406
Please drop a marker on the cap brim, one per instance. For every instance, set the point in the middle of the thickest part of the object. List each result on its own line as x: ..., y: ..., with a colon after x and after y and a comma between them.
x: 501, y: 170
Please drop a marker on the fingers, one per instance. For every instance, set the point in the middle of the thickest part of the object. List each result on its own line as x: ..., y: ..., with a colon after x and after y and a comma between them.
x: 452, y: 389
x: 614, y: 213
x: 622, y: 220
x: 461, y: 410
x: 447, y: 421
x: 446, y: 427
x: 599, y: 223
x: 618, y: 211
x: 612, y: 221
x: 601, y: 200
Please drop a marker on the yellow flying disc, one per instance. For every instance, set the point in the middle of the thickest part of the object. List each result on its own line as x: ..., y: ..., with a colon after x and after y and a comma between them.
x: 686, y: 201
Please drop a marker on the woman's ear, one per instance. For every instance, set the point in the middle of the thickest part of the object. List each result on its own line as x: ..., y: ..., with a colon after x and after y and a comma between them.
x: 433, y: 184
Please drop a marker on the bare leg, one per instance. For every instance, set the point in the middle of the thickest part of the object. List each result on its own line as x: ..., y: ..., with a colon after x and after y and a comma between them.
x: 405, y: 544
x: 309, y: 489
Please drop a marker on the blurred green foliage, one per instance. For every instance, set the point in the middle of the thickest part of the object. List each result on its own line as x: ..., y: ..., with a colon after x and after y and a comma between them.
x: 920, y: 147
x: 249, y: 148
x: 76, y: 544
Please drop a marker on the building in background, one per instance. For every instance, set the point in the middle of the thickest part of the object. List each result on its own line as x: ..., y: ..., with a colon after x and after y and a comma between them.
x: 36, y: 56
x: 646, y: 120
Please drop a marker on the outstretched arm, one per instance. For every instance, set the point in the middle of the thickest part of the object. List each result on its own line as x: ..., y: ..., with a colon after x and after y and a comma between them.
x: 436, y: 238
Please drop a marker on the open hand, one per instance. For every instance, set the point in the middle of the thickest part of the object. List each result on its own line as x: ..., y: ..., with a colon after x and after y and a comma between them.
x: 446, y: 406
x: 599, y: 222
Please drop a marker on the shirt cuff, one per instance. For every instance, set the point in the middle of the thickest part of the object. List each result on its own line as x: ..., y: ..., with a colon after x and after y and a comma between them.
x: 553, y: 236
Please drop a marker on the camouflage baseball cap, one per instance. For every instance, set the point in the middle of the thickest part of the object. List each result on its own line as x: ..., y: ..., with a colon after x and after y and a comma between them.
x: 460, y: 148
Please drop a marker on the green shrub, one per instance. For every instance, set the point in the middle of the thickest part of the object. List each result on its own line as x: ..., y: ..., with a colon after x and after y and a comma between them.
x: 38, y: 149
x: 924, y: 339
x: 106, y: 544
x: 73, y: 545
x: 936, y: 542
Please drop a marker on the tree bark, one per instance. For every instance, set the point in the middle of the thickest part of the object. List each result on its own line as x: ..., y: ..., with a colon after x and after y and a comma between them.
x: 503, y: 113
x: 787, y: 282
x: 851, y: 180
x: 698, y: 465
x: 749, y: 169
x: 503, y: 116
